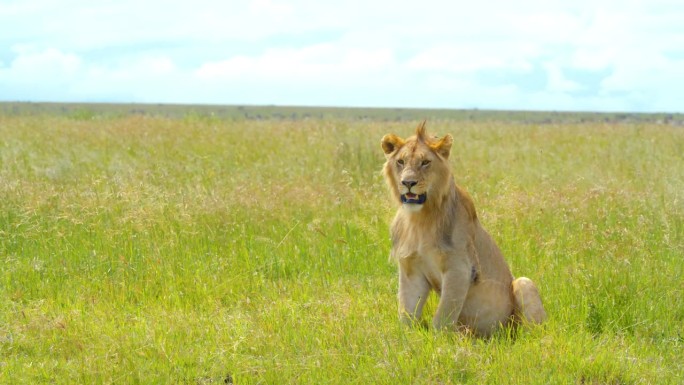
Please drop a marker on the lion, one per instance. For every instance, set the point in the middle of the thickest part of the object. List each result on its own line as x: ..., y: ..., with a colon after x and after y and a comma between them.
x: 440, y: 245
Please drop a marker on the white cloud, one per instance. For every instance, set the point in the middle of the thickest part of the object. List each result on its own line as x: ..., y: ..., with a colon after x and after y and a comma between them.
x: 39, y: 74
x: 473, y: 57
x: 322, y: 63
x: 45, y: 64
x: 432, y: 54
x: 557, y: 82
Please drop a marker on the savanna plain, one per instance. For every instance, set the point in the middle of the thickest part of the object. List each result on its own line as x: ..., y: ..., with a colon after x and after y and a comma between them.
x: 202, y: 250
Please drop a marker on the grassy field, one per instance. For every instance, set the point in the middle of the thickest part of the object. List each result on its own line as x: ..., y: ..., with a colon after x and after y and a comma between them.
x: 199, y: 250
x: 87, y: 111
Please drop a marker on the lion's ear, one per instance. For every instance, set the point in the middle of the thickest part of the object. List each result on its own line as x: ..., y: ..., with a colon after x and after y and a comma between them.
x: 390, y: 143
x: 443, y: 146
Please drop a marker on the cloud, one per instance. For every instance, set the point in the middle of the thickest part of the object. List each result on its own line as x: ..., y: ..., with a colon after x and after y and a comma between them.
x: 46, y: 64
x: 473, y: 57
x: 322, y: 63
x: 65, y: 76
x: 557, y: 82
x: 524, y: 55
x: 48, y: 72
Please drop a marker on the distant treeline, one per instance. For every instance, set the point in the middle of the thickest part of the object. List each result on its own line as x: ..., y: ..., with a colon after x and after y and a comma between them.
x: 85, y: 111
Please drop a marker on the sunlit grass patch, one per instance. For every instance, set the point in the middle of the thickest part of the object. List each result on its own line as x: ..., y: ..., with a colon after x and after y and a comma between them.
x: 152, y: 250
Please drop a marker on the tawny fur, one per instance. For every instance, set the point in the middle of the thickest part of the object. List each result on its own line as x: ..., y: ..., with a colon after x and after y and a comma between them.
x: 440, y: 245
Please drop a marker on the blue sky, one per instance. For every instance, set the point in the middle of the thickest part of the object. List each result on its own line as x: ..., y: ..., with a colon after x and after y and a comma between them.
x: 588, y: 55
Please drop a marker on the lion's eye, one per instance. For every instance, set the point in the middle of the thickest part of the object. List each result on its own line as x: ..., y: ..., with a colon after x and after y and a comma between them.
x: 425, y: 163
x: 400, y: 162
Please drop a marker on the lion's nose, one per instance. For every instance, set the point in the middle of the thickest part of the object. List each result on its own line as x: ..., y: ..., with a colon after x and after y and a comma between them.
x: 409, y: 183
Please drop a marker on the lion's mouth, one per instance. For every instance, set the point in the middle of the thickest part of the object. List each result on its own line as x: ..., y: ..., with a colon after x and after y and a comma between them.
x: 412, y: 198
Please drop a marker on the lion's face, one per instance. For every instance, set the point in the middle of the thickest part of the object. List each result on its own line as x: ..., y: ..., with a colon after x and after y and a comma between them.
x: 417, y: 170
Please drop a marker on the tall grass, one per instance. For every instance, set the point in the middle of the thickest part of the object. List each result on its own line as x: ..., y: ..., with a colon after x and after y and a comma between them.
x: 197, y: 250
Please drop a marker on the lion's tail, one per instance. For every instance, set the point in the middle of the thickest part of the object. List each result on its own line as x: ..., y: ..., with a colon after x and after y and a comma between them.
x: 528, y: 303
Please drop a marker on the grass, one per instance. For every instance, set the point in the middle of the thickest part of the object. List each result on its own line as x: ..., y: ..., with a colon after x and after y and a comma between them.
x: 196, y: 250
x: 88, y: 111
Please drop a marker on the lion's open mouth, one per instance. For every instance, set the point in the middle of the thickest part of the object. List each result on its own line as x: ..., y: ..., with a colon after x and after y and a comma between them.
x: 412, y: 198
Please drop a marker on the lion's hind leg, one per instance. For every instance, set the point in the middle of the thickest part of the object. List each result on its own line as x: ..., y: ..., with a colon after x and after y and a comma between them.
x: 528, y: 303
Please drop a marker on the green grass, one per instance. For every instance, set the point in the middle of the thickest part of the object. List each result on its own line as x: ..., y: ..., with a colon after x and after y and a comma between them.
x: 155, y: 250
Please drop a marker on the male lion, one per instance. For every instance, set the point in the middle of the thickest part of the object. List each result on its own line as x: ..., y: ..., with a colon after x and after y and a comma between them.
x: 439, y: 244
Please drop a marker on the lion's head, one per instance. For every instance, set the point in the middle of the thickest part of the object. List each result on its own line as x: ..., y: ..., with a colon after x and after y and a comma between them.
x: 417, y: 169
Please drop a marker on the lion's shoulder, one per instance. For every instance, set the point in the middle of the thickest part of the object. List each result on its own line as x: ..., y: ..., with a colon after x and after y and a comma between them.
x: 467, y: 202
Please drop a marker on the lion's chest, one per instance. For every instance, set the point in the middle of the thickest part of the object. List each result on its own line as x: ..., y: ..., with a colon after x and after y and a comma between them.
x: 420, y: 255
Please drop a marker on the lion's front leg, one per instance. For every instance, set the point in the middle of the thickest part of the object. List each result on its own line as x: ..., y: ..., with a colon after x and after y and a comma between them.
x: 413, y: 292
x: 455, y: 285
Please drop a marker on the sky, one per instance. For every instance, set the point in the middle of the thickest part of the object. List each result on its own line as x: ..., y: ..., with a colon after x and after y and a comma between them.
x: 580, y: 55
